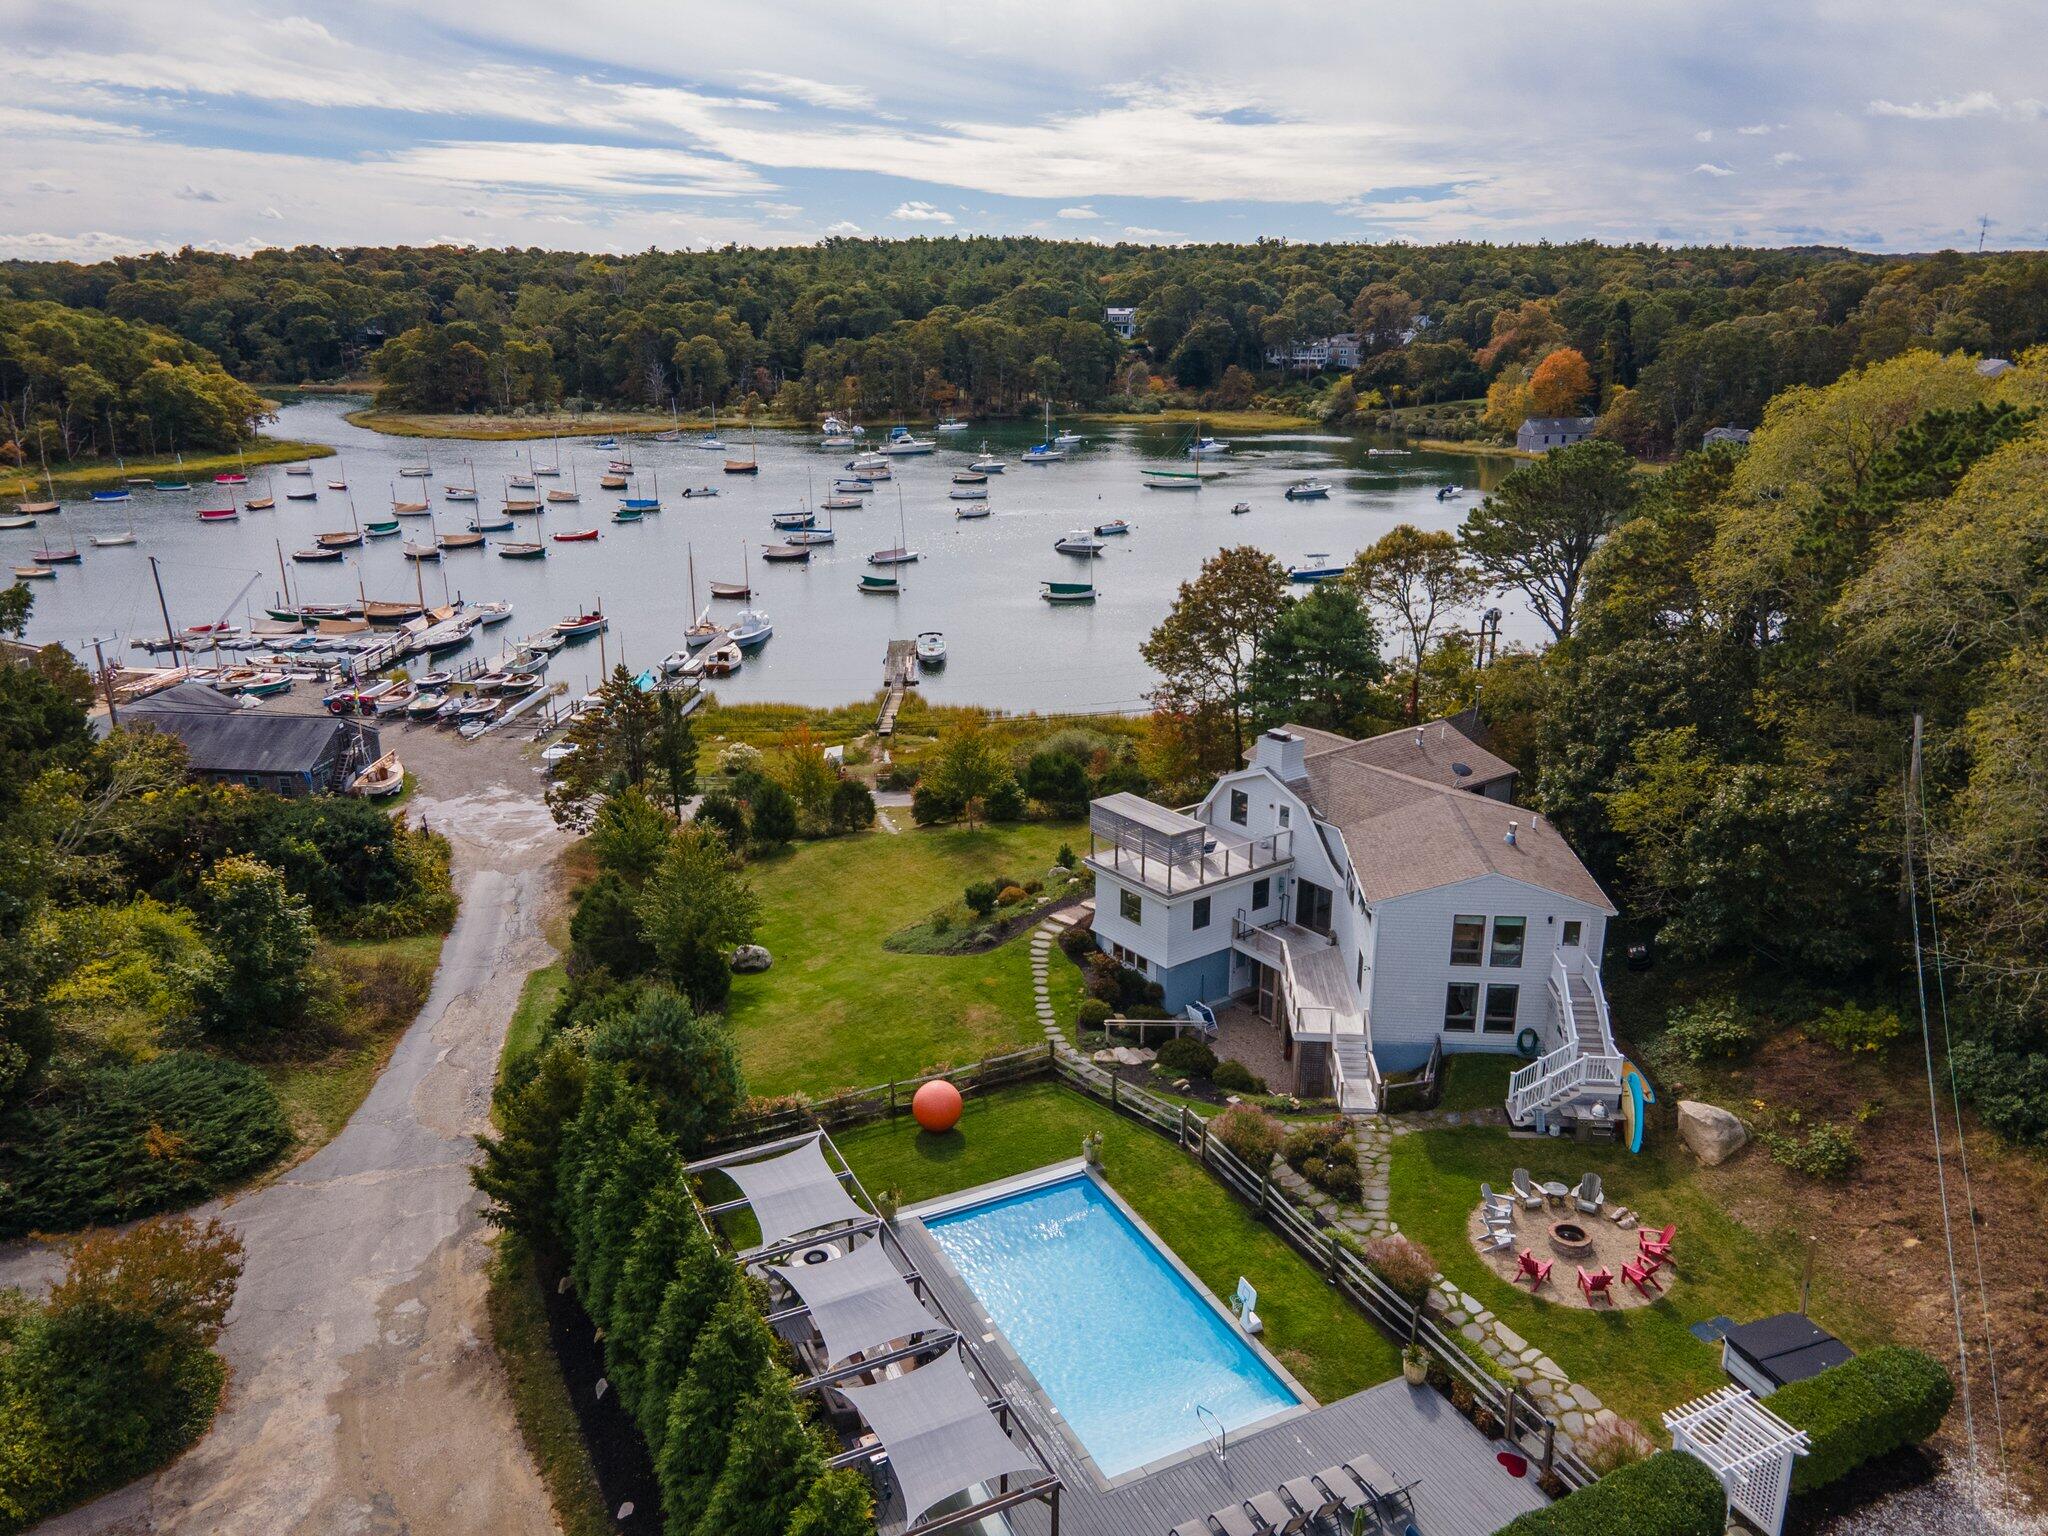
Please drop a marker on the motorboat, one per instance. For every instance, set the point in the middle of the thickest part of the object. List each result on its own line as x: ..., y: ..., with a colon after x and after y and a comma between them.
x: 902, y: 444
x: 968, y: 511
x: 1238, y: 509
x: 434, y: 682
x: 723, y: 659
x: 970, y: 477
x: 1207, y: 448
x: 951, y: 424
x: 750, y: 631
x: 1114, y: 526
x: 1066, y: 437
x: 872, y: 465
x: 1318, y: 570
x: 1079, y: 542
x: 582, y: 624
x: 1308, y: 490
x: 986, y: 463
x: 488, y: 614
x: 424, y: 705
x: 1449, y: 492
x: 931, y: 649
x: 968, y: 493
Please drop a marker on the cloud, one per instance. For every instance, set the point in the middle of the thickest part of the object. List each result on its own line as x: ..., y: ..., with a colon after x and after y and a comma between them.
x: 270, y: 213
x: 192, y: 194
x: 1756, y: 130
x: 46, y: 188
x: 843, y: 227
x: 916, y: 211
x: 1786, y: 157
x: 35, y: 121
x: 1708, y: 168
x: 1969, y: 104
x: 1704, y: 136
x: 1140, y: 232
x: 813, y: 93
x: 588, y: 169
x: 779, y: 210
x: 1078, y: 213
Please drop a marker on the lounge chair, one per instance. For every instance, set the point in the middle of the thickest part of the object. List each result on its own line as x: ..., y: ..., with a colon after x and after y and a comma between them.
x: 1497, y: 1238
x: 1526, y: 1190
x: 1493, y: 1202
x: 1599, y: 1284
x: 1340, y: 1485
x: 1313, y: 1502
x: 1237, y: 1520
x: 1588, y: 1195
x: 1199, y: 1527
x: 1282, y: 1518
x: 1643, y: 1277
x: 1532, y: 1269
x: 1388, y: 1497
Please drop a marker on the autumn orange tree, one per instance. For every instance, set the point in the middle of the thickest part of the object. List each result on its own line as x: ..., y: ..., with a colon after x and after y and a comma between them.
x: 1560, y: 384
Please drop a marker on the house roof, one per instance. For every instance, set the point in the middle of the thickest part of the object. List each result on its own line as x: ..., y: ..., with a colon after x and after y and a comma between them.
x: 1558, y: 423
x: 188, y: 696
x: 1409, y: 834
x: 1787, y: 1347
x: 1444, y: 749
x: 245, y: 741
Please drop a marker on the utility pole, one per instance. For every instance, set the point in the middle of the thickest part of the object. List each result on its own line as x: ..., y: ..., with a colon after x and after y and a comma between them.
x: 106, y: 684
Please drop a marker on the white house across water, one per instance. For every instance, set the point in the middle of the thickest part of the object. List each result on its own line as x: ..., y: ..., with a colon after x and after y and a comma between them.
x: 1373, y: 900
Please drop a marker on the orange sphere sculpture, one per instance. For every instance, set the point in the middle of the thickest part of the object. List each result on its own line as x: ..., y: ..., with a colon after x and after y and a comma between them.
x: 936, y: 1106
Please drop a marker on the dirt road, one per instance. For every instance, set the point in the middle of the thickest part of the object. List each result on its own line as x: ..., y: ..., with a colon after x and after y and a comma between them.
x: 364, y: 1396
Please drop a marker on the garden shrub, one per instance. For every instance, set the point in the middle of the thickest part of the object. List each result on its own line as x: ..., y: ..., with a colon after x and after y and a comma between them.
x: 1670, y: 1494
x: 1005, y: 802
x: 1185, y: 1056
x: 929, y: 805
x: 1250, y: 1132
x: 128, y: 1141
x: 1853, y: 1027
x: 2008, y: 1085
x: 1827, y: 1152
x: 1065, y: 857
x: 1608, y: 1445
x: 898, y: 776
x: 1403, y: 1263
x: 1712, y: 1030
x: 1076, y: 942
x: 1862, y: 1409
x: 1092, y: 1014
x: 851, y: 808
x: 981, y: 897
x: 1323, y: 1154
x: 1010, y: 895
x: 1236, y: 1077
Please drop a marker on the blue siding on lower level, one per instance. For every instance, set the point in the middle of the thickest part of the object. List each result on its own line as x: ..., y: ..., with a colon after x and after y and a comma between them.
x: 1206, y: 980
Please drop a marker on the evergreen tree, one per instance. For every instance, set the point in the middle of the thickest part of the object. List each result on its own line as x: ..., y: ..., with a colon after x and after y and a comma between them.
x: 703, y: 1279
x: 839, y: 1503
x: 686, y: 1062
x: 732, y: 1355
x: 774, y: 818
x: 668, y: 1228
x: 606, y: 930
x: 1320, y: 663
x: 770, y: 1463
x: 635, y: 1165
x: 520, y: 1163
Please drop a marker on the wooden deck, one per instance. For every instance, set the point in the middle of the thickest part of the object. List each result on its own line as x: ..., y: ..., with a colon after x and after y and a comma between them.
x: 1412, y: 1431
x: 899, y: 665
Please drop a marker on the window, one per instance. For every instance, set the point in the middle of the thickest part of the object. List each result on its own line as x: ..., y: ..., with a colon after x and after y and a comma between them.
x: 1240, y: 806
x: 1129, y: 957
x: 1571, y: 934
x: 1201, y: 911
x: 1508, y: 933
x: 1131, y: 906
x: 1468, y: 939
x: 1501, y: 1002
x: 1461, y: 1007
x: 1262, y: 890
x: 1312, y: 906
x: 1286, y: 815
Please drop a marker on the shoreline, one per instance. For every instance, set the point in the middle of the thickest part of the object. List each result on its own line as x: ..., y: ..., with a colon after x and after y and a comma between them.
x: 491, y: 427
x: 198, y: 468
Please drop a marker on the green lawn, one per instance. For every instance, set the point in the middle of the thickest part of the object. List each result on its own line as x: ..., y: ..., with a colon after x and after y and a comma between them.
x: 1331, y: 1349
x: 1642, y: 1360
x: 537, y: 1000
x: 1477, y: 1081
x: 839, y: 1011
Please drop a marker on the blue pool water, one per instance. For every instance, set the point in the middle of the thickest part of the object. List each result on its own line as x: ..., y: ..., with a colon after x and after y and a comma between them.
x: 1122, y: 1344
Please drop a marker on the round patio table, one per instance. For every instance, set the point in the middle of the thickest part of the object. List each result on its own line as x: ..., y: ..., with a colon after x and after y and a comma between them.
x: 1556, y: 1192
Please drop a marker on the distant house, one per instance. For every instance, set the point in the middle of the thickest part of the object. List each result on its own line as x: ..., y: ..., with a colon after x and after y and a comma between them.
x: 1372, y: 902
x: 1738, y: 436
x: 1123, y: 319
x: 1339, y: 351
x: 1540, y: 434
x: 1992, y: 367
x: 228, y: 743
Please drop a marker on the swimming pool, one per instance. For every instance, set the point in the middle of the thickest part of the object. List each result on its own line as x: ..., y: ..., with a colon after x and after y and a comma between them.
x: 1117, y: 1337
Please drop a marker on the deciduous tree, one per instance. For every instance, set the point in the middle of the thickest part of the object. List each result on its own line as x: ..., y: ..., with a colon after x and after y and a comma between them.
x: 1207, y: 645
x: 1418, y: 579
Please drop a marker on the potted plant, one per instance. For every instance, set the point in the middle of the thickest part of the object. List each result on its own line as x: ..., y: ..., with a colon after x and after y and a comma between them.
x: 886, y: 1203
x: 1091, y: 1149
x: 1415, y: 1364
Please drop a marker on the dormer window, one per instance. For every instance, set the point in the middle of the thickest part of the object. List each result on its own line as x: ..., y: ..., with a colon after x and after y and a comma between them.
x: 1240, y: 807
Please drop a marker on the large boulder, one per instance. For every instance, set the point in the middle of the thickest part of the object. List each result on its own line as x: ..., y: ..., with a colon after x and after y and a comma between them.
x: 1711, y: 1133
x: 750, y: 957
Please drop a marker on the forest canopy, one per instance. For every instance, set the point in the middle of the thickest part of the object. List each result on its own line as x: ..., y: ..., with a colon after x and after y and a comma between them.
x: 1673, y: 341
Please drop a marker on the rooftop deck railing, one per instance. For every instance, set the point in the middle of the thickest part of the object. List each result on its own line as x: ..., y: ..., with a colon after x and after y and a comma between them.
x: 1327, y: 1249
x: 1181, y: 861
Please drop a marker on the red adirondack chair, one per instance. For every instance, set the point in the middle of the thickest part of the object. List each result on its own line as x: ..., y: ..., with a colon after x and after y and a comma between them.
x: 1657, y: 1244
x: 1532, y: 1269
x: 1599, y: 1283
x: 1643, y: 1277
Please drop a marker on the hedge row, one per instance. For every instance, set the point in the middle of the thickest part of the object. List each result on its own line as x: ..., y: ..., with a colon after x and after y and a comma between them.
x: 1670, y: 1494
x: 1862, y: 1409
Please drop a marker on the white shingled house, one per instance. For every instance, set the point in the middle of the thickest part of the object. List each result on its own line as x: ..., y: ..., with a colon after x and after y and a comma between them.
x: 1373, y: 900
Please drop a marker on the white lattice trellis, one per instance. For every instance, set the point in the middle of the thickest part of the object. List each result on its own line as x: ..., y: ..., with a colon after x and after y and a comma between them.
x: 1744, y: 1444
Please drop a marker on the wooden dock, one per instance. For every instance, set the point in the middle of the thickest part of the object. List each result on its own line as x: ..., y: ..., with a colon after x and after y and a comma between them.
x: 899, y: 668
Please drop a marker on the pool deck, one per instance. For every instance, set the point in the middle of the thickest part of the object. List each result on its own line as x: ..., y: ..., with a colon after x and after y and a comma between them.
x: 1412, y: 1431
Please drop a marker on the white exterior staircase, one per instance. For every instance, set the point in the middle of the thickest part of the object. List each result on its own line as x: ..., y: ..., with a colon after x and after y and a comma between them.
x: 1586, y: 1062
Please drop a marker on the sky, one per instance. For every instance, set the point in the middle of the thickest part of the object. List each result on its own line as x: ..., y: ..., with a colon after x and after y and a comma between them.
x: 137, y: 125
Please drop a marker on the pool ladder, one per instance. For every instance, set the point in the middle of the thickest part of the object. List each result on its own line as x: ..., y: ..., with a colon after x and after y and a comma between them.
x: 1220, y: 1441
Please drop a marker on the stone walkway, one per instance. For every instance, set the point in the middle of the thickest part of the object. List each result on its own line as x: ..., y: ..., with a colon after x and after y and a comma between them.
x: 1041, y: 958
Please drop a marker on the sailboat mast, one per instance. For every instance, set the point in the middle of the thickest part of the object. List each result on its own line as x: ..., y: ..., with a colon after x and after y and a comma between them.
x: 162, y: 607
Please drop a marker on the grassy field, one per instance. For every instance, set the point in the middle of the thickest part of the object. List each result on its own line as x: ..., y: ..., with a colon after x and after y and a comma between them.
x: 537, y: 1000
x: 1331, y: 1349
x: 384, y: 983
x: 839, y: 1011
x: 26, y: 483
x: 1642, y: 1360
x: 1475, y: 1081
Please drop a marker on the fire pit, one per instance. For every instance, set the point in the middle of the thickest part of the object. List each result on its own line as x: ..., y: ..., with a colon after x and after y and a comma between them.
x: 1570, y: 1239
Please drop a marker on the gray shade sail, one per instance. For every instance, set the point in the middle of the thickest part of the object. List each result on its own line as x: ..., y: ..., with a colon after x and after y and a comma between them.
x: 938, y: 1432
x: 857, y: 1301
x: 794, y: 1193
